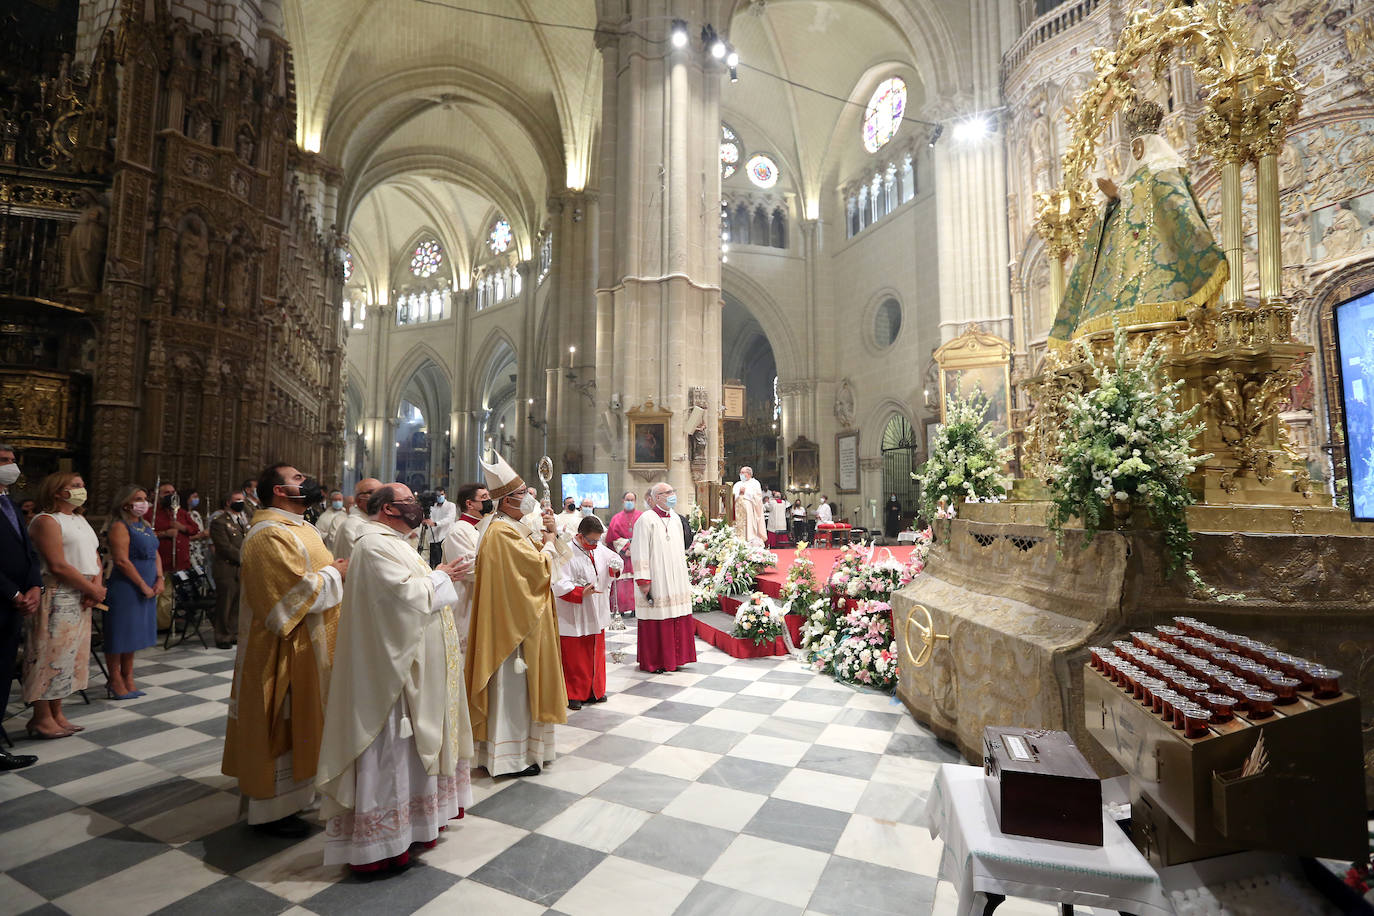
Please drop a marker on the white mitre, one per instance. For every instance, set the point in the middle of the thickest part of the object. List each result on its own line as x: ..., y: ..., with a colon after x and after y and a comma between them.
x: 501, y: 477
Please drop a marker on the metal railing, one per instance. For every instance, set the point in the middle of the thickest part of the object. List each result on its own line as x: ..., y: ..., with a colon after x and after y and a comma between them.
x: 1043, y: 28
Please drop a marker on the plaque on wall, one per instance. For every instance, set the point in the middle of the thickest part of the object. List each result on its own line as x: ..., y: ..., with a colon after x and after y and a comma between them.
x: 733, y: 396
x: 847, y: 461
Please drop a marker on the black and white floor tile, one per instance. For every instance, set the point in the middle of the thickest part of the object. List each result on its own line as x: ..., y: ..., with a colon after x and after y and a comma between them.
x: 731, y: 787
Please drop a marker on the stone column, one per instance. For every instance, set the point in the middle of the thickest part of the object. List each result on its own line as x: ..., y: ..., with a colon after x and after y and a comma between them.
x: 970, y: 204
x: 659, y: 287
x: 572, y: 322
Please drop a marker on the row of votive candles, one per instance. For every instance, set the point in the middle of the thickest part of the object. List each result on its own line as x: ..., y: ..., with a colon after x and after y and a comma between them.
x: 1194, y: 674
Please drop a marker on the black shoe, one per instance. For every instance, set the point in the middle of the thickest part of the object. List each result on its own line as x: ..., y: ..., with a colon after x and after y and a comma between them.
x: 531, y: 770
x: 16, y: 761
x: 601, y: 699
x: 289, y: 827
x: 223, y: 645
x: 574, y: 704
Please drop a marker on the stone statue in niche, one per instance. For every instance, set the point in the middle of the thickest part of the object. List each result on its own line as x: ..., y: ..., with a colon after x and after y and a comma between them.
x: 82, y: 259
x: 844, y: 404
x: 238, y: 284
x: 192, y: 251
x: 1296, y: 244
x: 244, y: 146
x: 1342, y: 237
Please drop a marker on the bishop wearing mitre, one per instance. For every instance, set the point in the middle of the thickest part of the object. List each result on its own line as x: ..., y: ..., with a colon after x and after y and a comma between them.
x: 514, y: 669
x: 394, y: 762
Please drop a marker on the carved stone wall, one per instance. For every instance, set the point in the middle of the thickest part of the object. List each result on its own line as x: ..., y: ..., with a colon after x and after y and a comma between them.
x: 221, y: 339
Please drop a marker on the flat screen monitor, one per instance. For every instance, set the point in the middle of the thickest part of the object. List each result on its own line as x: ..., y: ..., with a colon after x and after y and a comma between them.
x: 1355, y: 351
x: 597, y: 486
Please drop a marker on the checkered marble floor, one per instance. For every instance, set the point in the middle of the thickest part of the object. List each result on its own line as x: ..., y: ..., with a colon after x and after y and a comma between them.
x: 731, y: 787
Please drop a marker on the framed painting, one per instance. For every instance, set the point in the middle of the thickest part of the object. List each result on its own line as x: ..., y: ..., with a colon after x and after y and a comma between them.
x: 649, y: 437
x: 977, y: 363
x: 803, y: 466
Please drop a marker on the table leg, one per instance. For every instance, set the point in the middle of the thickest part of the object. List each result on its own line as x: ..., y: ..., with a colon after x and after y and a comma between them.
x: 994, y: 901
x: 1066, y: 909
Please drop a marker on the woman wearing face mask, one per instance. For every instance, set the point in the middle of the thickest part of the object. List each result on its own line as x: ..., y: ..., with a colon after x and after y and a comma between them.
x: 57, y: 646
x: 135, y: 583
x: 619, y: 533
x: 194, y: 520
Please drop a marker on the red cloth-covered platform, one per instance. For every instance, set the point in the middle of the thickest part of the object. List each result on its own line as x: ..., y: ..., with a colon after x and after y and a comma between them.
x: 715, y: 628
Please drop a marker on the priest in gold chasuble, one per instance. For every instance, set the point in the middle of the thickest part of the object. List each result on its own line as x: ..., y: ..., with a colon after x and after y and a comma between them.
x: 1150, y: 257
x: 514, y: 666
x: 290, y: 590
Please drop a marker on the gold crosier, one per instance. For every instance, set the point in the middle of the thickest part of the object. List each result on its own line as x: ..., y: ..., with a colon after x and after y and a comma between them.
x: 1237, y: 361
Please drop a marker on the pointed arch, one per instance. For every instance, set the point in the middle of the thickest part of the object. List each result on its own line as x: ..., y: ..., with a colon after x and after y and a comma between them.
x: 759, y: 302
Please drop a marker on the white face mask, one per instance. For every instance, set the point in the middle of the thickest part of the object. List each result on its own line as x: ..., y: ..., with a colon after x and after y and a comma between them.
x: 529, y: 505
x: 139, y: 507
x: 9, y: 473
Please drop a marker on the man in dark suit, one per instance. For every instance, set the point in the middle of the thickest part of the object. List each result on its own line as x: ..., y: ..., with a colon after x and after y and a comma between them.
x: 20, y: 587
x: 227, y: 531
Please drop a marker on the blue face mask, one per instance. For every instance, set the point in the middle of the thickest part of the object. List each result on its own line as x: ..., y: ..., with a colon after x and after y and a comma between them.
x: 337, y: 504
x: 194, y: 501
x: 586, y: 510
x: 671, y: 501
x: 439, y: 499
x: 629, y: 505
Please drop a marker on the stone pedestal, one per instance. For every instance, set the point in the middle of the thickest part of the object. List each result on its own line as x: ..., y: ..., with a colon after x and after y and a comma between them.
x: 1021, y: 615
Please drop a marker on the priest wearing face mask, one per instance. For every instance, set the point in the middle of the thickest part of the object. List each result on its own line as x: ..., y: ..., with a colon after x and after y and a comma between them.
x: 513, y: 669
x: 569, y: 518
x: 290, y: 588
x: 461, y: 545
x: 397, y: 740
x: 663, y: 607
x: 619, y: 536
x: 332, y: 516
x: 351, y: 526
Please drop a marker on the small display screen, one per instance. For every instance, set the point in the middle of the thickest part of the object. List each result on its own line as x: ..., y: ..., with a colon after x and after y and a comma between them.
x: 597, y: 486
x: 1018, y: 748
x: 1355, y: 346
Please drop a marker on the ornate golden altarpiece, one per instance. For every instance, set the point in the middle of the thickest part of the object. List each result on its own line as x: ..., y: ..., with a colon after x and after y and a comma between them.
x: 1020, y: 612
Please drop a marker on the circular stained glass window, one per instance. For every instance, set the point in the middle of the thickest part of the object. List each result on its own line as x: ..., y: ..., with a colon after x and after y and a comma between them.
x: 762, y: 171
x: 883, y: 115
x: 347, y: 259
x: 428, y: 257
x: 887, y: 323
x: 729, y: 151
x: 500, y: 237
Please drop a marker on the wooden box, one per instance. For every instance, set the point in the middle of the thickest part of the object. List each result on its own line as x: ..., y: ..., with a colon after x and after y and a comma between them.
x: 1041, y: 785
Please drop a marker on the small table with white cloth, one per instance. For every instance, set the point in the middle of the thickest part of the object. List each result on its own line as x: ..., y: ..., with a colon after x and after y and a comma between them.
x: 986, y: 865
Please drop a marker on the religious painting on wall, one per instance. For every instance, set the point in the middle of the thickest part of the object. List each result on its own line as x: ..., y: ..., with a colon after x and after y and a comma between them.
x: 977, y: 363
x: 649, y: 437
x: 733, y: 395
x: 847, y: 462
x: 804, y: 466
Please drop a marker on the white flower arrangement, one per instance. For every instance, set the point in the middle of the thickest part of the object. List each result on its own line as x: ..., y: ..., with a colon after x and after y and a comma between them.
x: 966, y: 460
x: 758, y: 621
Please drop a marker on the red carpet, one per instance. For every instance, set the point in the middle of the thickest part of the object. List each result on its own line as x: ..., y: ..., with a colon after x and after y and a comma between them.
x: 823, y: 560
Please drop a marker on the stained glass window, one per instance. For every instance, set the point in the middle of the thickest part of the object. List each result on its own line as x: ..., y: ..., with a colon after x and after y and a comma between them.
x: 762, y: 171
x: 347, y: 258
x: 428, y: 257
x: 500, y: 238
x: 884, y: 113
x: 729, y: 151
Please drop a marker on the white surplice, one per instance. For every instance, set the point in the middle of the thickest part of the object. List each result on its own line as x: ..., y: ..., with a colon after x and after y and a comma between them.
x: 593, y: 614
x: 347, y: 532
x: 749, y: 512
x: 658, y: 554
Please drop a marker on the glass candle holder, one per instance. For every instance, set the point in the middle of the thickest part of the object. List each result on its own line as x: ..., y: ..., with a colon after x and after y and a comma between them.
x: 1326, y: 682
x: 1221, y: 706
x: 1259, y: 704
x: 1195, y: 719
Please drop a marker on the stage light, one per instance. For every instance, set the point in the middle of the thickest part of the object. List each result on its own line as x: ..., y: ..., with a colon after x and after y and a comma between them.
x: 936, y: 134
x: 717, y: 49
x: 734, y: 75
x: 972, y: 130
x: 732, y: 59
x: 678, y: 34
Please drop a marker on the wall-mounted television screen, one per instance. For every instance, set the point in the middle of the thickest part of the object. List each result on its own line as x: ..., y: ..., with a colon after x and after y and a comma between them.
x: 597, y: 486
x: 1355, y: 350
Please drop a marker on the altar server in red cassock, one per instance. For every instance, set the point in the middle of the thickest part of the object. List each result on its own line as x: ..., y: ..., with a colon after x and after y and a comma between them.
x: 582, y: 587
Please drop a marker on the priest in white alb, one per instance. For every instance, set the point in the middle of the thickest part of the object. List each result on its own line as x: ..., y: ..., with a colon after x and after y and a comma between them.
x: 513, y: 667
x: 394, y: 758
x: 474, y: 504
x: 663, y: 605
x: 749, y: 523
x: 353, y: 522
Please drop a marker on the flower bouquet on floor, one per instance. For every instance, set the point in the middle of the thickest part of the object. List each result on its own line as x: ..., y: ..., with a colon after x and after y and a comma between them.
x: 864, y: 652
x: 818, y: 636
x: 758, y: 621
x: 967, y: 459
x: 801, y: 590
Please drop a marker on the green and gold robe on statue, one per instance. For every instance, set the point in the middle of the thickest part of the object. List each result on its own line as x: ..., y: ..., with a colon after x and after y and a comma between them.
x: 1150, y: 257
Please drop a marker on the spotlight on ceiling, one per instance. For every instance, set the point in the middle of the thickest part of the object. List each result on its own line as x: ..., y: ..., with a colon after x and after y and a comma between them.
x: 678, y: 33
x: 732, y: 59
x: 936, y: 134
x: 717, y: 49
x: 734, y: 75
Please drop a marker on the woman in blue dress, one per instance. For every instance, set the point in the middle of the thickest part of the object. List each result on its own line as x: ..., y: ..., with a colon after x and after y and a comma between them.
x: 135, y: 583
